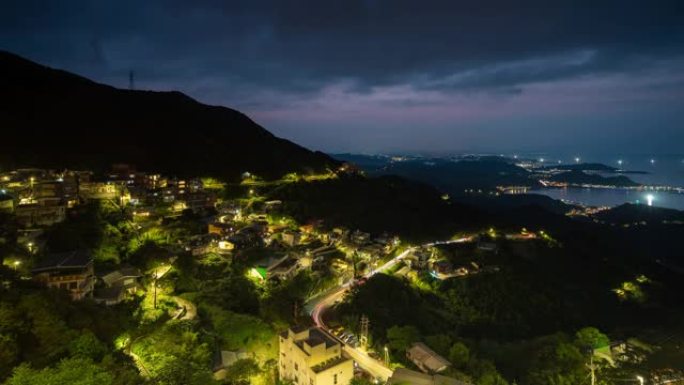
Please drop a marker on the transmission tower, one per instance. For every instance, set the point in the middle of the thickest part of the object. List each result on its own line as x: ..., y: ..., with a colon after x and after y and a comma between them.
x: 364, y: 331
x: 131, y: 80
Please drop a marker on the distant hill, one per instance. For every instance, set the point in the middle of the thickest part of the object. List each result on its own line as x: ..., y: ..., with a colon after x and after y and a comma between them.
x: 52, y: 118
x: 583, y: 167
x: 632, y: 213
x: 448, y: 175
x: 515, y: 201
x: 580, y: 177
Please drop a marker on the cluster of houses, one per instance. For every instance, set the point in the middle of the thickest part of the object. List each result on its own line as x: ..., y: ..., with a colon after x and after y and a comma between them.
x: 427, y: 259
x: 39, y: 197
x: 73, y: 272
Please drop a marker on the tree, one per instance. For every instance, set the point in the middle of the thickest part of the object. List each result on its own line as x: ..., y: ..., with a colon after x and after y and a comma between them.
x: 440, y: 343
x: 459, y: 355
x: 9, y: 352
x: 557, y: 362
x: 242, y: 370
x: 400, y: 338
x: 51, y: 332
x: 87, y: 346
x: 72, y: 371
x: 591, y: 337
x: 486, y: 373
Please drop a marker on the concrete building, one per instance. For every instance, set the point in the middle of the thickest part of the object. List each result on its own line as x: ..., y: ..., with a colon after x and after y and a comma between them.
x: 276, y: 267
x: 308, y: 356
x: 292, y: 238
x: 6, y: 203
x: 72, y: 271
x: 39, y: 215
x: 426, y: 359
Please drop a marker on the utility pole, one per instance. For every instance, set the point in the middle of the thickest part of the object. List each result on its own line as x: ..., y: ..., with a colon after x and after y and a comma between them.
x: 295, y: 311
x: 364, y: 331
x: 592, y: 368
x: 155, y: 288
x: 355, y: 258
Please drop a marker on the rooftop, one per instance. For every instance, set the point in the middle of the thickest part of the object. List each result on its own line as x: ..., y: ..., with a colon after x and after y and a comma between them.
x: 76, y: 259
x: 427, y: 357
x: 323, y: 366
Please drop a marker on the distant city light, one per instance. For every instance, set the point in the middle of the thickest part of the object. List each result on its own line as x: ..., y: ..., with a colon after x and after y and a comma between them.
x: 516, y: 157
x: 649, y: 199
x: 541, y: 160
x: 620, y: 162
x: 652, y: 161
x: 577, y: 160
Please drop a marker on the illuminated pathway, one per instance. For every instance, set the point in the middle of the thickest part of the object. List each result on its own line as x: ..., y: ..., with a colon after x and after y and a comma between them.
x: 376, y: 368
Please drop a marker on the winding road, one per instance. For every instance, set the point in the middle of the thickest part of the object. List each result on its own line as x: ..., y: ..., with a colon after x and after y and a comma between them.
x: 320, y: 304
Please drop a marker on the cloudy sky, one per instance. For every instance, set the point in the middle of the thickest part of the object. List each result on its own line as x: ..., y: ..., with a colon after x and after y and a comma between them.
x: 395, y: 75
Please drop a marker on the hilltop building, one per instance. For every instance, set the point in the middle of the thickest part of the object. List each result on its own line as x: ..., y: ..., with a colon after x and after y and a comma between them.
x: 308, y: 356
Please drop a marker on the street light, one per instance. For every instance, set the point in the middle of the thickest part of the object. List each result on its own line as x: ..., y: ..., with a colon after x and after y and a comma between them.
x: 16, y: 264
x: 386, y: 356
x: 641, y: 380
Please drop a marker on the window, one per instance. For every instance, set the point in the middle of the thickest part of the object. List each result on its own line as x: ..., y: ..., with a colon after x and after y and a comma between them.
x: 296, y: 366
x: 335, y: 378
x: 310, y: 381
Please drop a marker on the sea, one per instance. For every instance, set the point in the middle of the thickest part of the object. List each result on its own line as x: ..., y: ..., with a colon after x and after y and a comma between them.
x: 663, y: 170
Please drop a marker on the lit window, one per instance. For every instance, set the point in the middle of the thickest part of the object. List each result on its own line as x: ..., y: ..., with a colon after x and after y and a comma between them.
x: 334, y: 378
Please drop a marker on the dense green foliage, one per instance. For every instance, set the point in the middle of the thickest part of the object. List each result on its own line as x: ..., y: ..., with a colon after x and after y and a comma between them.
x: 412, y: 210
x: 51, y: 335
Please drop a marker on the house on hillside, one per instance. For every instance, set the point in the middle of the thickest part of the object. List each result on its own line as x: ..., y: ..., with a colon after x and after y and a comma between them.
x: 72, y: 271
x: 426, y: 359
x: 118, y: 285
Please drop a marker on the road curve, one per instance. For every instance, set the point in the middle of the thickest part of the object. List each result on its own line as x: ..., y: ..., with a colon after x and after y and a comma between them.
x: 376, y: 368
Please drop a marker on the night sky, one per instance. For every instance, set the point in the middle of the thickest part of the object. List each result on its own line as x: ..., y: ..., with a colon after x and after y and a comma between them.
x: 396, y: 75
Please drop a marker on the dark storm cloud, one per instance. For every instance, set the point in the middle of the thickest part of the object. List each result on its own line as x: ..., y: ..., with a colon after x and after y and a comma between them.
x: 270, y: 55
x: 296, y: 46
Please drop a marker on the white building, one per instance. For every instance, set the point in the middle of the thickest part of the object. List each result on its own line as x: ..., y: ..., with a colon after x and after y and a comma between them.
x: 308, y: 356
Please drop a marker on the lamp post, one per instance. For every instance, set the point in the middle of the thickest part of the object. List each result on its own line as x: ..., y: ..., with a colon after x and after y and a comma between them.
x: 640, y: 379
x: 386, y: 356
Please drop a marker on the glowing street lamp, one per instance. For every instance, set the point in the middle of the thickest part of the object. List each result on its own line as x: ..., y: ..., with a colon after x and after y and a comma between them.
x: 577, y: 159
x: 16, y: 264
x: 640, y: 379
